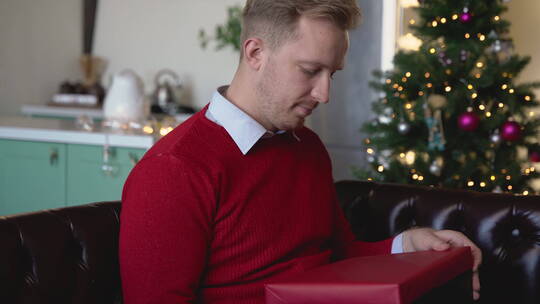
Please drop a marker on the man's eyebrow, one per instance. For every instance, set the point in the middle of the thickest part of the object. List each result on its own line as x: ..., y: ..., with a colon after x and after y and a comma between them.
x: 339, y: 68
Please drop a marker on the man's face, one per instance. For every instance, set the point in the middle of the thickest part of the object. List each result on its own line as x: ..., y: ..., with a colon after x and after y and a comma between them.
x: 296, y: 76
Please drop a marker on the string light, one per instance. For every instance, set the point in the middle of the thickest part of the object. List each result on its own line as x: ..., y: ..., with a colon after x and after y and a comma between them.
x: 467, y: 35
x: 527, y: 98
x: 429, y: 85
x: 408, y: 106
x: 427, y: 75
x: 367, y: 141
x: 488, y: 114
x: 474, y: 95
x: 525, y: 192
x: 504, y: 87
x: 482, y: 107
x: 477, y: 75
x: 400, y: 89
x: 420, y: 93
x: 420, y: 178
x: 448, y: 89
x: 481, y: 37
x: 479, y: 64
x: 370, y: 151
x: 496, y: 18
x: 412, y: 22
x: 531, y: 114
x: 404, y: 79
x: 470, y: 184
x: 395, y: 86
x: 148, y: 129
x: 415, y: 176
x: 432, y: 50
x: 434, y: 23
x: 511, y: 91
x: 380, y: 169
x: 455, y: 16
x: 470, y: 87
x: 370, y: 179
x: 408, y: 74
x: 508, y: 177
x: 388, y: 81
x: 402, y: 155
x: 493, y: 178
x: 482, y: 184
x: 443, y: 20
x: 501, y: 105
x: 510, y: 187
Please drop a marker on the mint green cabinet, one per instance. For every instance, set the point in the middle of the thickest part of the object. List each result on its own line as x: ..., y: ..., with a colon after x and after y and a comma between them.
x: 32, y: 176
x: 43, y: 175
x: 90, y: 178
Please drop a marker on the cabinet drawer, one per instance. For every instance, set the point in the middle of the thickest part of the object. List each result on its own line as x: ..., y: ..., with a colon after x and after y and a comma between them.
x: 91, y: 179
x: 32, y: 176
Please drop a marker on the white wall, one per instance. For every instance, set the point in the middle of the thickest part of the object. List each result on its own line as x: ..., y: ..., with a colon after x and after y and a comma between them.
x: 525, y: 31
x: 40, y: 43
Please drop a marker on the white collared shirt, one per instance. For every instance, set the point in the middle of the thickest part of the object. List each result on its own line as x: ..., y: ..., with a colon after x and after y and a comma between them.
x: 246, y: 132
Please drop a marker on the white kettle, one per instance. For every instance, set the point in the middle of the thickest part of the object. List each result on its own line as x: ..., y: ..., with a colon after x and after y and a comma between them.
x: 125, y: 101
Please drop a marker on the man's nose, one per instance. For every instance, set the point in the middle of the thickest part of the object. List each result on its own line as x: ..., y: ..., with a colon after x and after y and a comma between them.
x: 321, y: 90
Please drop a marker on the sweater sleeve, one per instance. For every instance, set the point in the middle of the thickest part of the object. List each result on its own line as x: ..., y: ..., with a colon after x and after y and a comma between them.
x: 165, y: 229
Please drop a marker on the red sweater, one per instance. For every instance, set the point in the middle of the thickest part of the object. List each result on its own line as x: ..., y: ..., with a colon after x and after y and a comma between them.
x: 201, y: 222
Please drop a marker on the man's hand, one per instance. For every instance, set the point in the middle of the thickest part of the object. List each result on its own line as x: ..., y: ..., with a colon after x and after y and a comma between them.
x: 417, y: 239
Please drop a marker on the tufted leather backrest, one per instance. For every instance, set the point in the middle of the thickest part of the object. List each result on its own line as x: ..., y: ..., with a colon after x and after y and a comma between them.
x: 61, y: 256
x: 505, y: 227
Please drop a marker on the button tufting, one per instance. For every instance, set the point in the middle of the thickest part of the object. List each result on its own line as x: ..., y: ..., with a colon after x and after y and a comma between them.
x: 515, y: 232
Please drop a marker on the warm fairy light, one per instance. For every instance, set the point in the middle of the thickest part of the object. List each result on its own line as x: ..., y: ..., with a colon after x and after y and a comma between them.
x: 470, y: 184
x: 474, y: 95
x: 482, y: 184
x: 504, y: 171
x: 527, y: 98
x: 477, y: 76
x: 165, y: 131
x: 427, y: 75
x: 420, y: 178
x: 448, y: 89
x: 508, y: 177
x: 501, y: 105
x: 467, y: 35
x: 488, y: 114
x: 408, y: 74
x: 404, y: 79
x: 493, y: 178
x: 443, y: 20
x: 511, y: 91
x: 496, y: 18
x: 148, y: 130
x: 395, y: 86
x: 448, y: 72
x: 370, y: 151
x: 470, y: 87
x: 409, y: 3
x: 434, y: 23
x: 388, y: 81
x: 380, y: 169
x: 482, y: 107
x: 510, y: 187
x: 533, y: 169
x: 410, y: 158
x: 505, y: 75
x: 415, y: 176
x: 455, y: 16
x: 525, y: 192
x: 527, y: 171
x: 412, y: 22
x: 402, y: 155
x: 408, y: 106
x: 504, y: 86
x: 370, y: 179
x: 479, y: 64
x: 367, y: 141
x: 482, y: 37
x: 429, y: 85
x: 432, y: 50
x: 531, y: 114
x: 420, y: 93
x: 400, y: 89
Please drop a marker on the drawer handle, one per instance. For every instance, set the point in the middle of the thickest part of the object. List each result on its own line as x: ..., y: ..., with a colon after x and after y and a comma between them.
x: 53, y: 156
x: 107, y: 168
x: 133, y: 158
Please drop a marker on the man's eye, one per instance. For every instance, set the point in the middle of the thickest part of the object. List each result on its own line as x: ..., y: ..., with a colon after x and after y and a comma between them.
x: 310, y: 72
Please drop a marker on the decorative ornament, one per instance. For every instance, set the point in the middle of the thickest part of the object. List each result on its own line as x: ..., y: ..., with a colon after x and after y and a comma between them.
x: 468, y: 121
x: 384, y: 119
x: 534, y: 156
x: 436, y: 166
x: 511, y: 131
x: 403, y: 128
x: 495, y: 137
x: 436, y: 140
x: 466, y: 16
x: 371, y: 159
x: 437, y: 101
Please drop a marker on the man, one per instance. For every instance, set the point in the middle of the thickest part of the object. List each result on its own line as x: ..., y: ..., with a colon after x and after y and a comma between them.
x: 242, y: 193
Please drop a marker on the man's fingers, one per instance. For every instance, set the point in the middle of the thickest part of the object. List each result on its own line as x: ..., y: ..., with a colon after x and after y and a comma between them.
x: 458, y: 239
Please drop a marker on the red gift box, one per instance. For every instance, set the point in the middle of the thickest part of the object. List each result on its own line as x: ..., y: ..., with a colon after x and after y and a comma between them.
x: 397, y: 278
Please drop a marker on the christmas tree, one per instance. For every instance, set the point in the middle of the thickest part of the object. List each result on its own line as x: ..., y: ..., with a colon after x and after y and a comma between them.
x: 451, y: 113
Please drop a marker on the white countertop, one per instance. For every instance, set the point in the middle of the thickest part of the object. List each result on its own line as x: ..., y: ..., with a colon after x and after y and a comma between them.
x: 65, y: 131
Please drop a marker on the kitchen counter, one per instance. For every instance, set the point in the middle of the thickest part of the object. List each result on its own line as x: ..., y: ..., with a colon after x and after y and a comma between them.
x: 66, y: 131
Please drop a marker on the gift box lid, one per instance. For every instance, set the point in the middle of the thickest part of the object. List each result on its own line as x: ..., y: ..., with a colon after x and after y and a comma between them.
x: 396, y: 278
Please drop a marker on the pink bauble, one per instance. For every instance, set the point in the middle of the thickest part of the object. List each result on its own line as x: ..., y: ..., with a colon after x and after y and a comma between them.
x: 468, y: 121
x: 465, y: 17
x: 511, y: 131
x: 534, y: 156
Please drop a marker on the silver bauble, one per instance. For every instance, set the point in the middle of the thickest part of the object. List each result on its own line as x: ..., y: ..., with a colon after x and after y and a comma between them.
x: 403, y: 128
x: 384, y: 119
x: 435, y: 169
x: 495, y: 138
x: 371, y: 159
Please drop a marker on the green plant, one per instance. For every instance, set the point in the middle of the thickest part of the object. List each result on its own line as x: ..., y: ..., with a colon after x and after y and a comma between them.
x: 227, y: 34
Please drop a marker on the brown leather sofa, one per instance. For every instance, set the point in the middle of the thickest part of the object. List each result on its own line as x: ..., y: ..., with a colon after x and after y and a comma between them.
x: 69, y: 255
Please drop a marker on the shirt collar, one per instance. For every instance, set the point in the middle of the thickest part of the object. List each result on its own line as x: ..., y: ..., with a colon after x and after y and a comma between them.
x: 243, y: 129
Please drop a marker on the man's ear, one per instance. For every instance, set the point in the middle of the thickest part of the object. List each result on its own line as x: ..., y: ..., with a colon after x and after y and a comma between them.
x: 254, y: 52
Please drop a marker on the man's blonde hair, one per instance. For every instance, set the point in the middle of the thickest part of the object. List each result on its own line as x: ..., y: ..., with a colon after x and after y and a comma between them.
x: 275, y: 20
